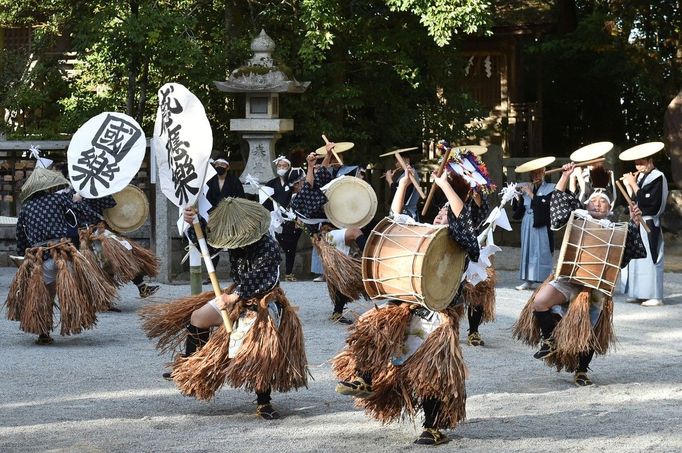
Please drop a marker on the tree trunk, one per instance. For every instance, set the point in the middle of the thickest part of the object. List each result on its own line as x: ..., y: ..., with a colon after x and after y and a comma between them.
x: 143, y: 90
x: 133, y: 64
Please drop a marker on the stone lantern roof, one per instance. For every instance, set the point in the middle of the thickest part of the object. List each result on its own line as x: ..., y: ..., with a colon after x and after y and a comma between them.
x: 261, y: 74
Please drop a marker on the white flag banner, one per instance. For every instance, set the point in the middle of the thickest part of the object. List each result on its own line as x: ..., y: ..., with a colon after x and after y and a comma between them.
x: 182, y: 144
x: 105, y: 154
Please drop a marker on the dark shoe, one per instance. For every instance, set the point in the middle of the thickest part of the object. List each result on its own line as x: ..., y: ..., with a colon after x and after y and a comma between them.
x: 147, y: 290
x: 267, y: 412
x: 206, y: 282
x: 44, y: 339
x: 114, y: 309
x: 546, y: 349
x: 474, y: 339
x: 338, y: 317
x: 581, y: 379
x: 167, y: 376
x: 357, y: 388
x: 432, y: 436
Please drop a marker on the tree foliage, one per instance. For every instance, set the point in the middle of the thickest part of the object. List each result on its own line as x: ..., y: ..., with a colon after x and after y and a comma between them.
x: 376, y: 67
x: 612, y: 77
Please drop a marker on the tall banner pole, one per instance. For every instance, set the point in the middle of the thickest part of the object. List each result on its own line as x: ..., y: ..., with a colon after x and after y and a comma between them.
x: 195, y: 270
x: 182, y: 143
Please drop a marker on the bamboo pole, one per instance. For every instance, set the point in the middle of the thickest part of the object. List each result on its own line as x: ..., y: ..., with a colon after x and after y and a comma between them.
x: 630, y: 202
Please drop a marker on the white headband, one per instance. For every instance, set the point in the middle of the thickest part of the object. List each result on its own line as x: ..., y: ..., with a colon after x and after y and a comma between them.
x: 282, y: 159
x: 221, y: 161
x: 600, y: 193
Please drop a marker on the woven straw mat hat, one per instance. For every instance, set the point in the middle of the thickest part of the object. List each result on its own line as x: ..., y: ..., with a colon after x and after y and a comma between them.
x: 41, y: 179
x: 237, y: 222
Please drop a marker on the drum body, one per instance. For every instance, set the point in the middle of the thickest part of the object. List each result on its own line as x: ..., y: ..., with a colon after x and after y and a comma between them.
x: 130, y: 212
x: 351, y: 203
x: 416, y: 263
x: 591, y: 253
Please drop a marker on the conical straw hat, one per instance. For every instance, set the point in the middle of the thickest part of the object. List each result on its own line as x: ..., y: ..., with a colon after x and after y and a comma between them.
x: 237, y: 222
x: 41, y: 179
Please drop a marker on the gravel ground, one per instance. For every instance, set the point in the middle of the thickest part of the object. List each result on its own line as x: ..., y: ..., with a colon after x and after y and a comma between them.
x: 103, y: 391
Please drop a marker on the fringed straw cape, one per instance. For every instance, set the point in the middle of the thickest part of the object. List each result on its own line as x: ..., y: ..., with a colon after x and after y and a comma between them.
x: 342, y: 272
x: 81, y: 291
x: 435, y: 370
x: 574, y: 334
x: 269, y: 357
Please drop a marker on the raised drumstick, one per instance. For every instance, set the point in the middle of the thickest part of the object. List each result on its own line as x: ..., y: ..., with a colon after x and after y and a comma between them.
x: 578, y: 164
x: 434, y: 187
x: 409, y: 174
x: 338, y: 158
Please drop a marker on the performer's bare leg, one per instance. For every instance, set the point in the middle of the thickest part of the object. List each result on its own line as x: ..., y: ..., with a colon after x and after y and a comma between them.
x: 205, y: 317
x: 545, y: 299
x: 198, y: 331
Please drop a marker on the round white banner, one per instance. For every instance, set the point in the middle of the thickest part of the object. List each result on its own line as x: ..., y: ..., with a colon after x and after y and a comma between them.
x: 105, y: 154
x: 182, y: 144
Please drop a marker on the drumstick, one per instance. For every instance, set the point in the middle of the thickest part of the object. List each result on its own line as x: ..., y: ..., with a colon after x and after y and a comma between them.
x: 630, y: 202
x: 409, y: 174
x: 324, y: 137
x: 578, y: 164
x: 434, y: 187
x: 203, y: 247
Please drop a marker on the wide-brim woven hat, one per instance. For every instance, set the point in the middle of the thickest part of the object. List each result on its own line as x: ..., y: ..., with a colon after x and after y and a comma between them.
x: 535, y: 164
x: 591, y: 151
x: 641, y: 151
x: 237, y: 222
x: 41, y: 179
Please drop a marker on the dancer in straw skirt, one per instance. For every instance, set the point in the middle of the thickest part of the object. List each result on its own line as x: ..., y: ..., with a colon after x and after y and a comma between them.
x: 402, y: 357
x: 479, y: 297
x: 122, y: 260
x: 586, y: 325
x: 309, y: 205
x: 265, y: 350
x: 52, y: 265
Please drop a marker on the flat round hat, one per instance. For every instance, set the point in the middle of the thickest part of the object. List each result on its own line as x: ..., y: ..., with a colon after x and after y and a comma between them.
x: 339, y: 147
x: 641, y: 151
x: 535, y: 164
x: 591, y: 151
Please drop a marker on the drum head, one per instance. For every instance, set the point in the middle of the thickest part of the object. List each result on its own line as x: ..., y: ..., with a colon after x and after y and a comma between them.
x: 130, y: 212
x: 442, y: 271
x: 351, y: 203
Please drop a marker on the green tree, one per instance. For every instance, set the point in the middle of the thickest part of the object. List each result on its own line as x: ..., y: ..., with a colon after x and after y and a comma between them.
x: 381, y: 72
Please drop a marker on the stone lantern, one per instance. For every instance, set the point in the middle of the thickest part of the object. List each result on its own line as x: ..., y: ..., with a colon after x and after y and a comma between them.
x: 261, y: 81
